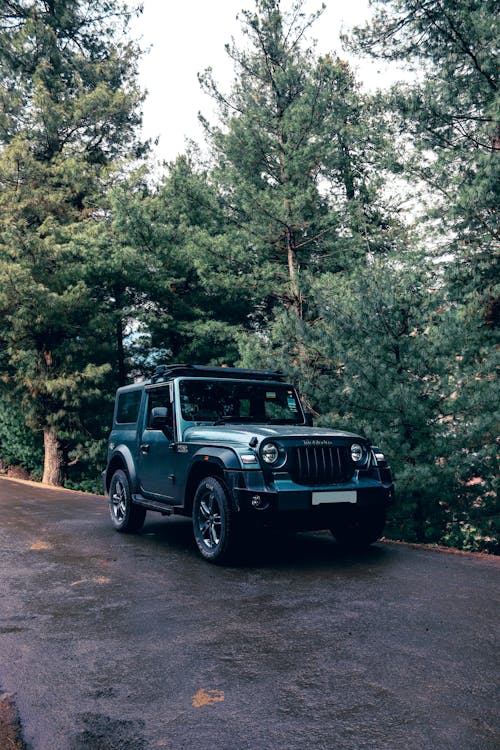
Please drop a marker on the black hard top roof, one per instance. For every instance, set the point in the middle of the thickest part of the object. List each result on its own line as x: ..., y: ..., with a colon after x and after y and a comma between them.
x: 166, y: 372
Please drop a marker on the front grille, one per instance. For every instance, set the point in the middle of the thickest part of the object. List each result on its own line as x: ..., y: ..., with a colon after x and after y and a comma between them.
x: 320, y: 464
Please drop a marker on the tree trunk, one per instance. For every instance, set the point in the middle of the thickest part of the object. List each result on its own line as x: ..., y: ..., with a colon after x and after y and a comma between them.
x: 122, y: 373
x: 53, y: 459
x: 347, y: 175
x: 292, y: 274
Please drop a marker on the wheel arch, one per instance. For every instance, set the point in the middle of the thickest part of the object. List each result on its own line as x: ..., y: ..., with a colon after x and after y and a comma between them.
x: 208, y: 462
x: 200, y: 469
x: 121, y: 459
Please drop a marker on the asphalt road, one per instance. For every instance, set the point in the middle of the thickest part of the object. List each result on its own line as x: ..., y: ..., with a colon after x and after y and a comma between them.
x: 114, y: 642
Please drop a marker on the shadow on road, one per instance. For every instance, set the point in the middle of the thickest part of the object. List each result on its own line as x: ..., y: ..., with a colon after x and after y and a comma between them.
x: 278, y: 550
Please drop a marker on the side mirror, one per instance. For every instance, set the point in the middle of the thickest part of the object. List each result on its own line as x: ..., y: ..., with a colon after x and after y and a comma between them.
x: 308, y: 418
x: 159, y: 418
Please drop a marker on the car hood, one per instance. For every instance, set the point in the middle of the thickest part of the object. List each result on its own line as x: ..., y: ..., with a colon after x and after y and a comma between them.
x: 242, y: 434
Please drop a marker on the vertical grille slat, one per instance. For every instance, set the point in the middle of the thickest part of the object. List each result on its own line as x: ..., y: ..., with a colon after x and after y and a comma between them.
x: 316, y: 465
x: 331, y: 452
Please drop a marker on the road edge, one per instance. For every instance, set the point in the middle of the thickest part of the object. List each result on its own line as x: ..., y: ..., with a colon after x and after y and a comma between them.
x: 441, y: 548
x: 32, y: 483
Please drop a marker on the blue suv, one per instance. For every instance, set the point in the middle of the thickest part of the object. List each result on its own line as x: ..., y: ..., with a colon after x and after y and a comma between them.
x: 234, y: 450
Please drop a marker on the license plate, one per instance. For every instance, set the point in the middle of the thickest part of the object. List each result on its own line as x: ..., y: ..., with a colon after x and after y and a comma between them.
x: 341, y: 496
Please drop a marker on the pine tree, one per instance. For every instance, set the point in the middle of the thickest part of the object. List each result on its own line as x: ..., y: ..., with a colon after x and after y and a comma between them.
x: 70, y: 108
x: 451, y: 116
x: 295, y: 157
x: 451, y: 112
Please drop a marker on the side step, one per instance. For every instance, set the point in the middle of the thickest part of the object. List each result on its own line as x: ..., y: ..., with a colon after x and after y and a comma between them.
x: 145, y: 502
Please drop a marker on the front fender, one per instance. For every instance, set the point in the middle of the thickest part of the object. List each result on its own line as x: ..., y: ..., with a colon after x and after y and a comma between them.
x: 224, y: 457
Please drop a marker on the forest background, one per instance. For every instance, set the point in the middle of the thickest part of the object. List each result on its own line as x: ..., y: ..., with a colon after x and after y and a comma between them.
x: 348, y: 239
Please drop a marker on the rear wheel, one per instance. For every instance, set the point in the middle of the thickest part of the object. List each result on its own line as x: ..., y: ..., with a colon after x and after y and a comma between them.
x: 125, y: 516
x: 214, y: 523
x: 359, y: 529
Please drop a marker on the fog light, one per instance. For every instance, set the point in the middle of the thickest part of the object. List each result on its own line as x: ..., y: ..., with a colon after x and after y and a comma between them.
x: 259, y: 502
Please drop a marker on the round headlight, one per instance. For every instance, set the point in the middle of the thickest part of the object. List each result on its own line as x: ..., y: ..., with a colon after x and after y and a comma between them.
x: 357, y: 453
x: 270, y: 453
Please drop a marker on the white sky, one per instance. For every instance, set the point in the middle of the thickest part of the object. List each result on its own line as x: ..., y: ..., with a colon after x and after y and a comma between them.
x: 187, y: 37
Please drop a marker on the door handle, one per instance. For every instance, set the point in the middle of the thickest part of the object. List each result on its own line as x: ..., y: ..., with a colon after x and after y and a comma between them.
x: 144, y: 448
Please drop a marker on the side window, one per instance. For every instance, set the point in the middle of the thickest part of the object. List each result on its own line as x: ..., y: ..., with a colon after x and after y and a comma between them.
x: 128, y: 407
x: 160, y: 397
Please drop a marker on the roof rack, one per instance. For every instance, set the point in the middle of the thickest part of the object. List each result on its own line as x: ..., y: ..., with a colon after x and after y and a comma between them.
x: 163, y: 373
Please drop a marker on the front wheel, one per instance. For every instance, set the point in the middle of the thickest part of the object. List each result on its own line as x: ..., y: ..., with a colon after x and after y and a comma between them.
x: 214, y: 523
x: 359, y: 529
x: 125, y: 516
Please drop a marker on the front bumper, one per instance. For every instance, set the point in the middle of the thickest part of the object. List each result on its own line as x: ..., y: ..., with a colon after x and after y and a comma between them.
x: 281, y: 495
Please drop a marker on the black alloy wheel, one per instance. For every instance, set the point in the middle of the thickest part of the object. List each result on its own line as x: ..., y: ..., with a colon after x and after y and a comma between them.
x: 213, y: 521
x: 125, y: 516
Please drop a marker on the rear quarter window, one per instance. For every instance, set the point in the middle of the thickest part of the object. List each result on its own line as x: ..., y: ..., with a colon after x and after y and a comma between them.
x: 127, y: 409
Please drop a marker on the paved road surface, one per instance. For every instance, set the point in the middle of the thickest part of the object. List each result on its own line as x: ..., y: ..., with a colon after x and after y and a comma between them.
x: 114, y: 642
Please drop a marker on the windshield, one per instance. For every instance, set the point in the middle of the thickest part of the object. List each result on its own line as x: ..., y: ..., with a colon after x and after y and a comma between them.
x: 239, y: 401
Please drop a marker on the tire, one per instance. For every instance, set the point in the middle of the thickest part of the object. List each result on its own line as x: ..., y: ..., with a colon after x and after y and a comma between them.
x: 359, y: 529
x: 125, y: 516
x: 214, y: 522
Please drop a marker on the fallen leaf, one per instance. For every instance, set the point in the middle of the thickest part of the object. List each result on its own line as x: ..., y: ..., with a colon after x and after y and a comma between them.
x: 98, y: 579
x: 207, y: 698
x: 40, y: 545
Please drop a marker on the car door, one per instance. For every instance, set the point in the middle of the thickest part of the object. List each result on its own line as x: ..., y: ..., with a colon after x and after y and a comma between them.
x: 156, y: 449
